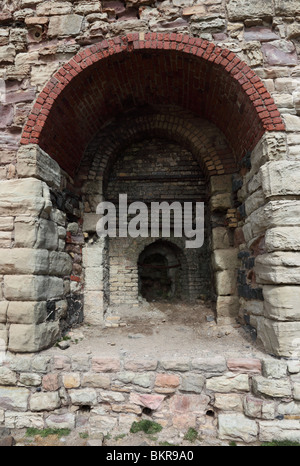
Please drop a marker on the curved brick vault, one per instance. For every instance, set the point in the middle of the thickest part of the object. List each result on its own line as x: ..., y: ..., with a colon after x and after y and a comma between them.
x: 138, y: 70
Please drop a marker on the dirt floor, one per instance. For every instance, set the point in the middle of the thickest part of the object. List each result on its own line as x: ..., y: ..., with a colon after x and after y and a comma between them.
x: 160, y: 330
x: 164, y: 329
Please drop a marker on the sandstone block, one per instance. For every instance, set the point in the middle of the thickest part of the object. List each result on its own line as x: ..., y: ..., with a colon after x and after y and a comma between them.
x: 24, y: 261
x: 54, y: 8
x: 237, y: 427
x: 292, y: 122
x: 279, y: 430
x: 286, y: 7
x: 283, y: 239
x: 71, y: 380
x: 14, y: 398
x: 92, y: 380
x: 26, y: 229
x: 61, y: 421
x: 248, y: 365
x: 32, y: 338
x: 279, y: 338
x: 220, y: 238
x: 228, y: 402
x: 29, y: 312
x: 21, y: 420
x: 221, y: 201
x: 83, y: 396
x: 66, y: 25
x: 32, y: 287
x: 7, y: 376
x: 3, y: 311
x: 34, y: 162
x: 278, y: 268
x: 94, y: 307
x: 21, y: 196
x: 192, y: 383
x: 105, y: 364
x: 47, y: 401
x: 228, y: 382
x: 153, y: 402
x: 225, y: 282
x: 225, y: 259
x: 60, y: 263
x: 7, y: 53
x: 94, y: 278
x: 279, y: 52
x: 281, y: 178
x: 92, y: 256
x: 282, y: 302
x: 47, y: 235
x: 254, y: 201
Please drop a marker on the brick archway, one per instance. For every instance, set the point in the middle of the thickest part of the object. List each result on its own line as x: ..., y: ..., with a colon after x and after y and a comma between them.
x: 140, y: 70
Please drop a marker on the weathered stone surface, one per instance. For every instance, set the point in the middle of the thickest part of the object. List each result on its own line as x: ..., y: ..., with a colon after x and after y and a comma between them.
x: 223, y: 259
x: 271, y: 387
x: 248, y: 365
x: 92, y: 380
x: 280, y: 178
x: 7, y: 376
x: 60, y: 263
x: 61, y: 421
x: 283, y: 239
x: 227, y: 306
x: 34, y: 287
x: 14, y: 398
x: 282, y: 302
x: 34, y: 162
x: 228, y: 382
x: 54, y: 8
x: 237, y: 427
x: 279, y: 430
x: 280, y: 52
x: 278, y: 268
x: 229, y: 402
x: 7, y: 53
x: 292, y: 122
x: 286, y: 7
x: 3, y: 311
x: 105, y: 364
x: 24, y: 261
x: 26, y: 229
x: 244, y: 9
x: 192, y: 383
x: 279, y: 338
x: 274, y: 369
x: 44, y: 401
x: 32, y: 338
x: 94, y: 307
x: 221, y: 201
x: 83, y: 396
x: 20, y: 420
x: 47, y: 235
x: 21, y: 196
x: 30, y: 380
x: 66, y: 25
x: 225, y: 282
x: 153, y: 402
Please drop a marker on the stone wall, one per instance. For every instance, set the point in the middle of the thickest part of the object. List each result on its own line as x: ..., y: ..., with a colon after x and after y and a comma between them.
x: 246, y: 400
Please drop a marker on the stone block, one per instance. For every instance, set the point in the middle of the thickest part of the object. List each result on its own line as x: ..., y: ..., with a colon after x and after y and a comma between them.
x: 237, y: 427
x: 7, y: 53
x: 32, y: 287
x: 220, y: 238
x: 254, y: 201
x: 3, y: 311
x: 228, y: 402
x: 283, y: 239
x: 272, y: 368
x: 225, y: 282
x: 245, y: 9
x: 278, y: 268
x: 54, y: 8
x: 47, y: 401
x: 286, y: 7
x: 26, y: 229
x: 83, y: 396
x: 6, y: 223
x: 282, y: 302
x: 225, y: 259
x: 228, y: 382
x: 150, y: 401
x: 20, y: 420
x: 94, y: 278
x: 60, y: 263
x: 19, y: 312
x: 279, y: 52
x: 279, y: 338
x: 220, y: 201
x: 47, y: 235
x: 21, y: 196
x: 221, y: 184
x: 92, y: 256
x: 292, y: 122
x: 24, y: 261
x: 90, y: 221
x: 34, y: 162
x: 279, y: 430
x: 66, y: 25
x: 275, y: 388
x: 281, y: 178
x: 94, y: 307
x: 61, y: 421
x: 14, y: 398
x: 32, y: 338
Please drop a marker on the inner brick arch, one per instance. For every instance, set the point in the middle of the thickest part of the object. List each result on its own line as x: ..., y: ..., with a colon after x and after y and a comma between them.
x: 203, y: 139
x: 126, y: 72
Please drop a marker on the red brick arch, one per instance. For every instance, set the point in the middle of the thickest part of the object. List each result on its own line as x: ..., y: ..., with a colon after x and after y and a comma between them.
x: 139, y: 70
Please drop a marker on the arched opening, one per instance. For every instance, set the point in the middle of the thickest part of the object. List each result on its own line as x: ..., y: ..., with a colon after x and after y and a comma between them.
x: 162, y: 276
x: 170, y: 86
